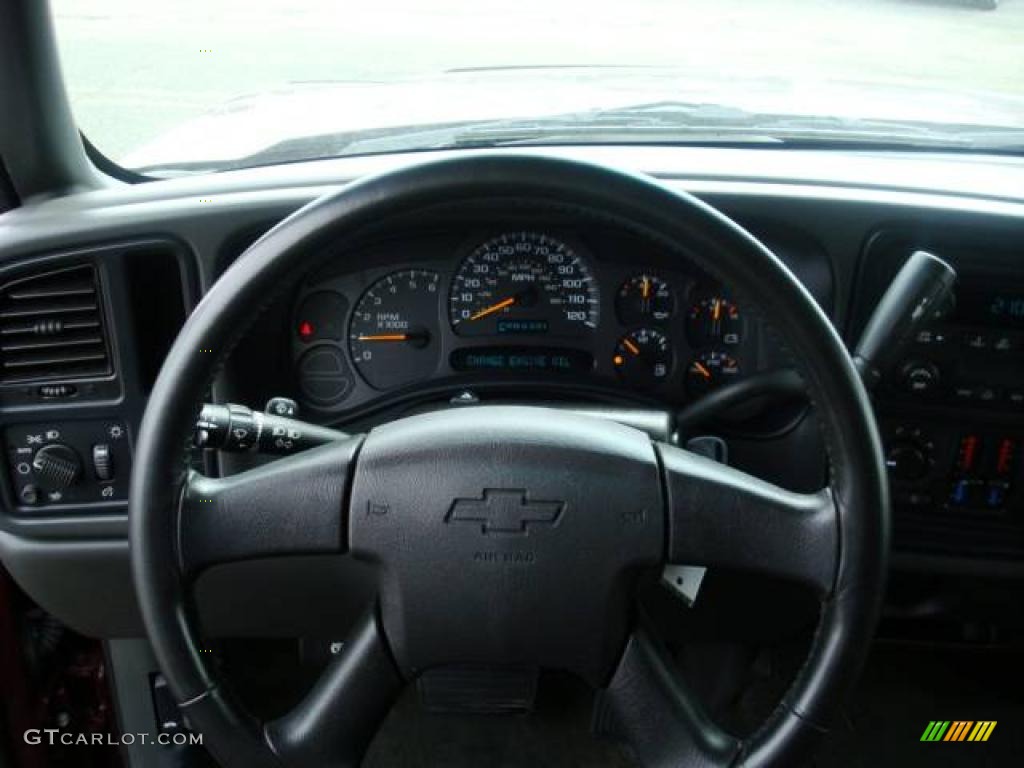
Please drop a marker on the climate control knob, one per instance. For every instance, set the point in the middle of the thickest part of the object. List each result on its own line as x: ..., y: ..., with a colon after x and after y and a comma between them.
x: 56, y: 466
x: 921, y: 377
x: 908, y: 460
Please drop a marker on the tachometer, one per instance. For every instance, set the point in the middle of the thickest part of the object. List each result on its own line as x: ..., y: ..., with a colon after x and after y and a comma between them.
x: 393, y: 332
x: 524, y: 283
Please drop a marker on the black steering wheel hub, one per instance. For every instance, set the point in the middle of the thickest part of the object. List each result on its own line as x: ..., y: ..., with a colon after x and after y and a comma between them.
x: 507, y: 535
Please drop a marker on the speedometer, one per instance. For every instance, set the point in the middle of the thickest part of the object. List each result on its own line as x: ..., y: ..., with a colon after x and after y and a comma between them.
x: 524, y: 283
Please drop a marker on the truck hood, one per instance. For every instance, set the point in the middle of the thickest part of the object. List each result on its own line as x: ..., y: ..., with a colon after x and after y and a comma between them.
x: 252, y: 124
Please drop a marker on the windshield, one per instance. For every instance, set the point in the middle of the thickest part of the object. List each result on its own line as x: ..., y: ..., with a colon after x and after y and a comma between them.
x: 195, y: 85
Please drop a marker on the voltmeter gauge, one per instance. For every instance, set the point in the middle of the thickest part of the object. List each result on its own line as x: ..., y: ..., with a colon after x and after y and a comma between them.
x: 643, y: 358
x: 643, y: 298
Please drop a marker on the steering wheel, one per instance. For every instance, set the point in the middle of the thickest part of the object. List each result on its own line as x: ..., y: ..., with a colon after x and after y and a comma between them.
x: 509, y: 534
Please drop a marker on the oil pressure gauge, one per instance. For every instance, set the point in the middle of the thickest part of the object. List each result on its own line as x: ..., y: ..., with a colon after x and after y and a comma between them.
x: 710, y: 370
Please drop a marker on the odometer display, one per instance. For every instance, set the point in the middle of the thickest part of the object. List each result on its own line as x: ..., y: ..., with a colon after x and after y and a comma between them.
x: 524, y: 283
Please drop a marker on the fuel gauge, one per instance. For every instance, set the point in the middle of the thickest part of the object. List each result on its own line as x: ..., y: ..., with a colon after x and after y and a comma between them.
x: 643, y: 358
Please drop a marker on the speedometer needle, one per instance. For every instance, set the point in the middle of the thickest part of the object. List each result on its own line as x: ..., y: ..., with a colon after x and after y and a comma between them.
x: 494, y: 308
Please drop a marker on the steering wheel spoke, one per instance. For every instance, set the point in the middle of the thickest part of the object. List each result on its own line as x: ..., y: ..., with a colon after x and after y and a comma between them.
x: 652, y: 710
x: 292, y: 506
x: 721, y: 516
x: 333, y: 725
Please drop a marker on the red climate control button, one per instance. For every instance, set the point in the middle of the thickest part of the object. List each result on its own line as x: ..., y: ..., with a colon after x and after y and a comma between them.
x: 967, y: 456
x: 1005, y: 456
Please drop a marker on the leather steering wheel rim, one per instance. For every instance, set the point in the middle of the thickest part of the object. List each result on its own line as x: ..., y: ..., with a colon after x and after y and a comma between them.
x: 851, y: 594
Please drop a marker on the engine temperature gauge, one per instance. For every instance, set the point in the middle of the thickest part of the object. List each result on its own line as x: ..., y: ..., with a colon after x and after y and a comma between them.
x: 714, y: 320
x: 643, y: 357
x: 709, y: 370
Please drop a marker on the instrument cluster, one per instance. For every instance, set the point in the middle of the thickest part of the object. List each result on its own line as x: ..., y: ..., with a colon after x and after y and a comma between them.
x: 513, y: 306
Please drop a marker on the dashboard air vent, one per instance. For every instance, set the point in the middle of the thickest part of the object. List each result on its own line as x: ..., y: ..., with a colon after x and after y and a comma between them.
x: 51, y: 327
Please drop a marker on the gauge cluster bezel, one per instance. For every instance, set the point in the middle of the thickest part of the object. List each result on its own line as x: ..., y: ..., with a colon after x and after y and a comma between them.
x: 613, y: 258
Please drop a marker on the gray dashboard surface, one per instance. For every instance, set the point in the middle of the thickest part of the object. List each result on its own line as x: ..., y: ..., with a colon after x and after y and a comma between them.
x: 77, y: 566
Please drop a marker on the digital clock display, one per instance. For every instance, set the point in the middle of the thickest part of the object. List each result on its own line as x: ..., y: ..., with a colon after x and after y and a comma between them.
x: 1010, y: 306
x: 991, y: 306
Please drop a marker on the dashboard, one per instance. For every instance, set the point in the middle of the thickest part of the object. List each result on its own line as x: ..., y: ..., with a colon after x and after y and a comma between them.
x: 497, y: 305
x: 506, y: 304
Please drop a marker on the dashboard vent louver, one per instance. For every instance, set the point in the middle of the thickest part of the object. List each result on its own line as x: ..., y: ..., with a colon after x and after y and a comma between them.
x: 51, y: 327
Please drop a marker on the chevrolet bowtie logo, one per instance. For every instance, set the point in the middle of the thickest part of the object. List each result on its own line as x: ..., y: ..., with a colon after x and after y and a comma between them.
x: 504, y: 511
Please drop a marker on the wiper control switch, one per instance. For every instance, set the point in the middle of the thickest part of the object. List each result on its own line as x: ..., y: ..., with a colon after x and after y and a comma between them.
x: 237, y: 429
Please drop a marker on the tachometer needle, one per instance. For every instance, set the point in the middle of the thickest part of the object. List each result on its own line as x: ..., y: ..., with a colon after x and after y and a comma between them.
x: 494, y: 308
x: 702, y: 370
x: 631, y: 346
x: 385, y: 337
